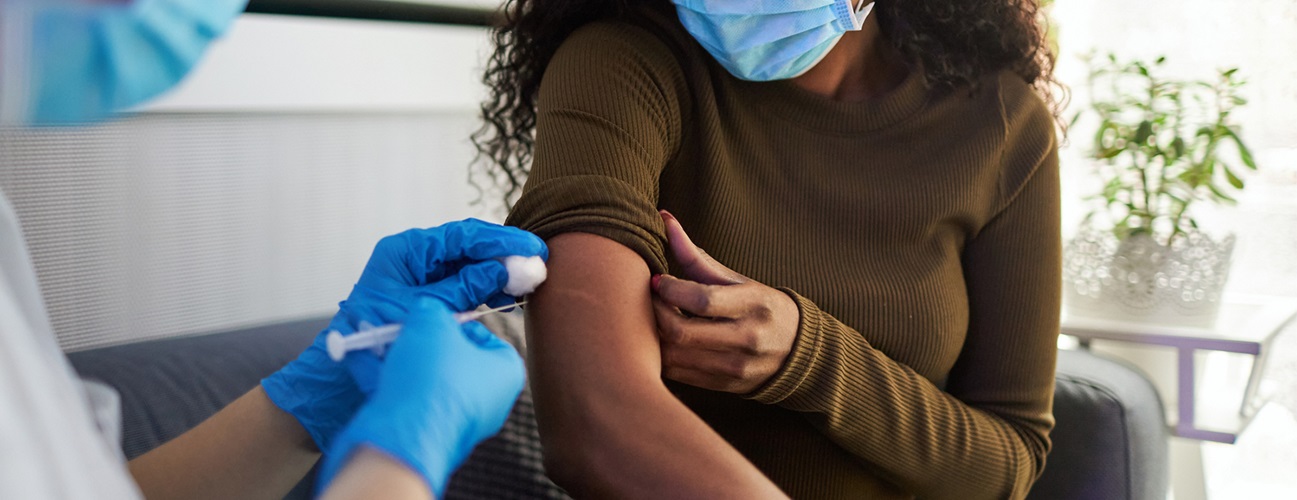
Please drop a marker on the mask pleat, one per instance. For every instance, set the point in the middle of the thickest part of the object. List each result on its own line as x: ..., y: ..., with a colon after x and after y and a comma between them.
x: 764, y: 29
x: 765, y: 39
x: 752, y: 7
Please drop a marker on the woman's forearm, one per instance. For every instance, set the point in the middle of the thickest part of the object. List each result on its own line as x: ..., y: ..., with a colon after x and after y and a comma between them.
x: 609, y: 425
x: 927, y: 441
x: 987, y: 434
x: 250, y: 449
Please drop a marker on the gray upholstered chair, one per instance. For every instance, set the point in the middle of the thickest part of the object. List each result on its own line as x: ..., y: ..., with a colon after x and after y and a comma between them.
x: 1111, y: 438
x: 1110, y: 442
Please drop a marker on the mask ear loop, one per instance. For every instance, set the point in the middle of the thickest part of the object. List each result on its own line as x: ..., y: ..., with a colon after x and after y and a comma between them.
x: 851, y: 19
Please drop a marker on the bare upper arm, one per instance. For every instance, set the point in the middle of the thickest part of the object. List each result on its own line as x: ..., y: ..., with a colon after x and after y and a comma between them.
x: 592, y: 321
x: 610, y: 427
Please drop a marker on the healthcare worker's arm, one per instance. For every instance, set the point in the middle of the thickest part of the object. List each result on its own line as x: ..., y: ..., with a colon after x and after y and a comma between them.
x: 250, y: 449
x: 372, y: 474
x: 611, y: 428
x: 263, y: 443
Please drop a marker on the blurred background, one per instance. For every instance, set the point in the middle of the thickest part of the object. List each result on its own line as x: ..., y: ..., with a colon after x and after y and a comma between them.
x: 1197, y: 37
x: 221, y: 205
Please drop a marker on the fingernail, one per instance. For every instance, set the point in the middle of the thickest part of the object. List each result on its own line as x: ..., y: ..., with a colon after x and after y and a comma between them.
x: 657, y: 278
x: 666, y: 215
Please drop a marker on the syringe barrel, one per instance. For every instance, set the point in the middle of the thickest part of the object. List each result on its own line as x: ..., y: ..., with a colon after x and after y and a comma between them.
x: 339, y: 345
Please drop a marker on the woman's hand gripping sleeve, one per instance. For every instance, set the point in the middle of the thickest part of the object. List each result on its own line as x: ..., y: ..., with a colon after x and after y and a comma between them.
x: 608, y: 121
x: 987, y: 436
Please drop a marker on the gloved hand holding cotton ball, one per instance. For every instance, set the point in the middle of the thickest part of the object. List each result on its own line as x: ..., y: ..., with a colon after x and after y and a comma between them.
x: 525, y: 274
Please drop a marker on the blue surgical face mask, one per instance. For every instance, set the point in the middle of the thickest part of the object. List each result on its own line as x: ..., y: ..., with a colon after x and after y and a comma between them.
x: 79, y: 61
x: 763, y: 40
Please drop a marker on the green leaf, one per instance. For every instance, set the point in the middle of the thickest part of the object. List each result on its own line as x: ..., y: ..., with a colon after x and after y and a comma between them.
x: 1220, y: 194
x: 1144, y: 131
x: 1233, y: 179
x: 1110, y: 190
x: 1244, y: 153
x: 1100, y: 139
x: 1121, y: 229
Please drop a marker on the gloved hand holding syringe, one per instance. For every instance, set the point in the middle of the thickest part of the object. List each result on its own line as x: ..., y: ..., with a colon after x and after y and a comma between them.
x: 525, y: 274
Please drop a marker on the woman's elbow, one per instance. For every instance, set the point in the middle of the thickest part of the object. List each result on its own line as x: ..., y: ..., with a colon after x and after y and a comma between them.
x: 1032, y: 465
x: 564, y: 465
x: 588, y: 442
x: 571, y: 461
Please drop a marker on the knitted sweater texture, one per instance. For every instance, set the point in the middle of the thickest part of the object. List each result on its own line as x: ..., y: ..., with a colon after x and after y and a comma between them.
x: 918, y: 233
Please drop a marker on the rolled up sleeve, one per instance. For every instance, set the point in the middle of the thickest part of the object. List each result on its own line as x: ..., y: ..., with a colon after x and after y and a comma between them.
x: 608, y: 122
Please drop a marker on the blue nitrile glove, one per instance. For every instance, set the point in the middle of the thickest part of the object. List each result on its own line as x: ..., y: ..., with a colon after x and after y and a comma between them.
x: 441, y: 389
x: 452, y: 262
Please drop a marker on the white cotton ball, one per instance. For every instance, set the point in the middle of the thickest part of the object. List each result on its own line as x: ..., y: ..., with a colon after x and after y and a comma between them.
x: 525, y: 274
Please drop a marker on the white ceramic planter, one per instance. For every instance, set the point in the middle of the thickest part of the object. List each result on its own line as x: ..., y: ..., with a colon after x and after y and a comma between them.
x: 1140, y: 280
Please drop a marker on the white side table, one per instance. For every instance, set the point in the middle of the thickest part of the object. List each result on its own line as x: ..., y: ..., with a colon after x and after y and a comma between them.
x: 1247, y: 325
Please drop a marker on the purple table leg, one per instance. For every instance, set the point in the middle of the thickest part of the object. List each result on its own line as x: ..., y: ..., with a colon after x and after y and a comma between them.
x: 1185, y: 425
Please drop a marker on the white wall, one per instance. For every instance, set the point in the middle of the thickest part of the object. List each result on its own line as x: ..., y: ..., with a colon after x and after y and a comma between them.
x: 278, y: 63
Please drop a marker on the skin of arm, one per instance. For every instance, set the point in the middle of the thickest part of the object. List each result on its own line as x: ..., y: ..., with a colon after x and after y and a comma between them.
x: 373, y: 474
x: 250, y: 449
x: 254, y: 449
x: 609, y: 425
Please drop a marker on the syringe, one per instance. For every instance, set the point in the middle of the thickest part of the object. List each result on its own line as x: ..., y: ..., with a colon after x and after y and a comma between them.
x: 379, y: 337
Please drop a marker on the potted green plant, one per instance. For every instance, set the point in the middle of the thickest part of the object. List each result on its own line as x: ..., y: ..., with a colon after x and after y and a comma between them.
x: 1162, y: 147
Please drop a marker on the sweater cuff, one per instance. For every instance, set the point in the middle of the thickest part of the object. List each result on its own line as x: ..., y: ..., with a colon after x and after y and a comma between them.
x: 803, y: 358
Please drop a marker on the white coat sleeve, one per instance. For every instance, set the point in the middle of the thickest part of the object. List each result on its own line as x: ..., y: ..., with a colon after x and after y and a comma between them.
x: 50, y: 447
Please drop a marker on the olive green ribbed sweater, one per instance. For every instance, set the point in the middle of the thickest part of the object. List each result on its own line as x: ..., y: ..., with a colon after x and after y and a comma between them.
x: 919, y: 233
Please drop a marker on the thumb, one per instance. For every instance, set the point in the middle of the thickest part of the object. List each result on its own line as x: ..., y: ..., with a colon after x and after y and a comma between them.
x: 696, y: 264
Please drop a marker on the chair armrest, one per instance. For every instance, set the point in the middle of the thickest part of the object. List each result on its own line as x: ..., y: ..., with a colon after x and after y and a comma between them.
x: 1111, y: 438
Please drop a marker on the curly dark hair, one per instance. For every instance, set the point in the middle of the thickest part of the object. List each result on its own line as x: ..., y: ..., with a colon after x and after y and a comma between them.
x: 954, y: 42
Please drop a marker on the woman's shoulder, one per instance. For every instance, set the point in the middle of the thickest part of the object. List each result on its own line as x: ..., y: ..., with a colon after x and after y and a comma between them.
x: 613, y: 34
x: 1030, y: 131
x: 1022, y: 104
x: 1004, y: 104
x: 620, y: 46
x: 1009, y: 113
x: 607, y: 65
